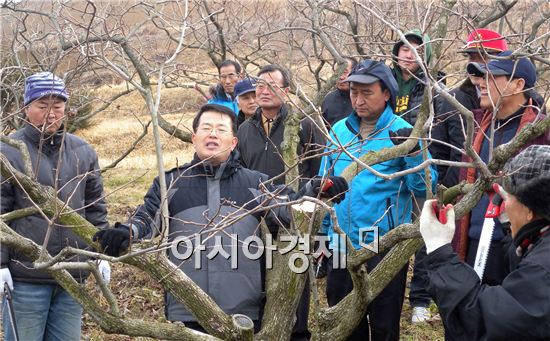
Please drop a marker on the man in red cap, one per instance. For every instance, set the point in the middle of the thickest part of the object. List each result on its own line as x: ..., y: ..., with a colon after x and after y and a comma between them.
x: 480, y: 45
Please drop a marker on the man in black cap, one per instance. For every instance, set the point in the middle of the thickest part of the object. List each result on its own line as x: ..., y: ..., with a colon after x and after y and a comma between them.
x: 371, y: 201
x: 519, y: 308
x: 245, y: 92
x: 505, y: 86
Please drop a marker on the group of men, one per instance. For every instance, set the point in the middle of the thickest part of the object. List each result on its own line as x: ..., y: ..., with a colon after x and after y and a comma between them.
x: 238, y: 170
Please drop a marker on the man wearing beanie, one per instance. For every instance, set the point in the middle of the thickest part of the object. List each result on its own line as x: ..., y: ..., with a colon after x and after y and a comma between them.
x: 43, y: 309
x: 519, y: 308
x: 371, y: 201
x: 505, y: 85
x: 411, y: 84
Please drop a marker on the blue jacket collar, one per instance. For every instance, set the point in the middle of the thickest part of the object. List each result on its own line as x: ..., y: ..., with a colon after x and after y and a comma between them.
x: 354, y: 121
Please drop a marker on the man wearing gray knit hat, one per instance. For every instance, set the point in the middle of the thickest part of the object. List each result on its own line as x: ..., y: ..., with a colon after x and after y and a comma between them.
x: 519, y: 308
x: 42, y: 309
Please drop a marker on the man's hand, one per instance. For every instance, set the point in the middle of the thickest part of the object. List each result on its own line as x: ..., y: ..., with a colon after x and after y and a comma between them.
x: 333, y: 187
x: 114, y: 241
x: 400, y: 136
x: 5, y: 277
x: 435, y: 231
x: 105, y: 270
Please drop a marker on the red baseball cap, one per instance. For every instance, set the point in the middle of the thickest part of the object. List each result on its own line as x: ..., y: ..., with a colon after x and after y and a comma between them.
x: 490, y: 40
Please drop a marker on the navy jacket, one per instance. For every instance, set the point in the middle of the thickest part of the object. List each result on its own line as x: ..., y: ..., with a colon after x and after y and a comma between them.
x: 65, y: 162
x: 518, y: 309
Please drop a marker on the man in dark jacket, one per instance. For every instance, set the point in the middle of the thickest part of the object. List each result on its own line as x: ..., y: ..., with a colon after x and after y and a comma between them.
x: 337, y: 104
x: 261, y: 136
x: 43, y: 309
x: 519, y: 308
x: 260, y: 147
x: 449, y: 128
x: 221, y: 189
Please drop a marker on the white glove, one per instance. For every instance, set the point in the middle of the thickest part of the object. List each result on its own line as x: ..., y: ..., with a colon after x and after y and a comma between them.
x: 105, y: 270
x: 435, y: 233
x: 5, y: 277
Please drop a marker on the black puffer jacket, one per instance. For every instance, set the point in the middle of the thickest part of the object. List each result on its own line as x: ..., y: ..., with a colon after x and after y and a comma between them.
x: 263, y: 153
x: 518, y: 309
x: 202, y: 199
x: 410, y: 113
x: 449, y: 127
x: 336, y: 106
x: 79, y: 184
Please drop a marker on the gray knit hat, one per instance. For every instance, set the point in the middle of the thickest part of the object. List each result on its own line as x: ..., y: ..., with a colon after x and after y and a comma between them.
x: 527, y: 177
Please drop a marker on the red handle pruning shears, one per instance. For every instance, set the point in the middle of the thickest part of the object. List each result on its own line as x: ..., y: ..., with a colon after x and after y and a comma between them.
x: 326, y: 184
x: 440, y: 211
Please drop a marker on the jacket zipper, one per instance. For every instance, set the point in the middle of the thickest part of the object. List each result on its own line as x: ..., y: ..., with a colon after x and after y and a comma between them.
x: 391, y: 223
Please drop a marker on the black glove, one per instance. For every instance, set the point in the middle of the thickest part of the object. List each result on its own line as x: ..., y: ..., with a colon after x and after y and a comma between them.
x: 398, y: 137
x: 334, y: 187
x: 114, y: 241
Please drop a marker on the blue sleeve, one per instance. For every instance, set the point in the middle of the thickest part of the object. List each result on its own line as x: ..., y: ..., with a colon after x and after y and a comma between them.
x: 416, y: 182
x: 230, y: 104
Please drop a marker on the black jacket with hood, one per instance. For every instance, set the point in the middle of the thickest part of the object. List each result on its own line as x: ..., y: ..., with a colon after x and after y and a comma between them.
x: 408, y: 106
x: 449, y: 127
x: 262, y: 153
x: 69, y: 164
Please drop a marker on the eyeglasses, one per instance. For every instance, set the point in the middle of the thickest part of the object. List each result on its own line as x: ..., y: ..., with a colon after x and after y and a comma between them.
x: 262, y: 85
x: 206, y: 130
x: 229, y: 76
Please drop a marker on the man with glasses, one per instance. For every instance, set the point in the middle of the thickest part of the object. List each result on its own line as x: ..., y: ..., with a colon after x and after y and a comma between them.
x: 230, y: 73
x: 507, y: 105
x: 448, y: 128
x: 260, y: 147
x: 372, y: 203
x: 225, y: 208
x: 261, y: 135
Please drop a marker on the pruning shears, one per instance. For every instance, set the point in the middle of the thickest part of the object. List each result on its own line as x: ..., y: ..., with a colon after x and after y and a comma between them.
x: 440, y: 211
x: 326, y: 184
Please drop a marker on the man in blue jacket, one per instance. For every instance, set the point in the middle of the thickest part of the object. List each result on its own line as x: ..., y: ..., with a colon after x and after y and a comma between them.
x: 375, y: 202
x: 230, y: 73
